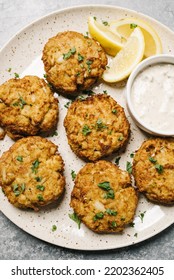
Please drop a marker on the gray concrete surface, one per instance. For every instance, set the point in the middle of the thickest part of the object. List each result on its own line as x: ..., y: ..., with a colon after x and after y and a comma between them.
x: 17, y: 244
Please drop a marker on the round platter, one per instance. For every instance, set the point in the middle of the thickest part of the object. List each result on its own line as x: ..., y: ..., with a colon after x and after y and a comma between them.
x: 23, y: 55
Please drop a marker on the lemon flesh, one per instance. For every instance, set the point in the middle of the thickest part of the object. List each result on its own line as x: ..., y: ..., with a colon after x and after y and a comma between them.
x: 125, y: 61
x: 125, y: 27
x: 111, y: 43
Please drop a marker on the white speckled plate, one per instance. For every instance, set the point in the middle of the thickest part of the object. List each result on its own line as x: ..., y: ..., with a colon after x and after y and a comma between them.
x: 23, y: 55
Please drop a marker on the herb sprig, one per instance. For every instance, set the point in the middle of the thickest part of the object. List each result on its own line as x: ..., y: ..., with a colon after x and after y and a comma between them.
x: 158, y: 166
x: 109, y: 191
x: 35, y: 166
x: 75, y: 218
x: 69, y: 53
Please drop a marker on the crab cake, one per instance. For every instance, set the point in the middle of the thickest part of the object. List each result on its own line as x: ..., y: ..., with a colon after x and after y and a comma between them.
x: 27, y: 107
x: 31, y: 173
x: 103, y: 197
x: 73, y: 62
x: 96, y: 127
x: 153, y: 169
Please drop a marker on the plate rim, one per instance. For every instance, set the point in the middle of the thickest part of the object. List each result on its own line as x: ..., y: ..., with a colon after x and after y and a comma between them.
x: 79, y: 7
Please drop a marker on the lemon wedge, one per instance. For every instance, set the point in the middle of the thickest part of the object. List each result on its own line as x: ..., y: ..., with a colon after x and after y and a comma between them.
x: 125, y: 61
x: 125, y: 27
x: 112, y: 43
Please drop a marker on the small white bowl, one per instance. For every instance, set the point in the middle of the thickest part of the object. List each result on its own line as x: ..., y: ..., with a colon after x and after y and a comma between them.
x: 157, y: 59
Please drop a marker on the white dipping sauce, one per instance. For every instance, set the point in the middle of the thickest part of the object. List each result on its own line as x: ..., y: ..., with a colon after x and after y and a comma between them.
x: 152, y: 96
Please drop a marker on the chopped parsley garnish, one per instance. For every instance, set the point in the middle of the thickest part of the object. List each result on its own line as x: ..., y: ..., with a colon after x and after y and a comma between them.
x: 75, y: 218
x: 45, y: 75
x: 114, y: 111
x: 16, y: 75
x: 38, y: 179
x: 105, y: 92
x: 86, y: 130
x: 113, y: 224
x: 109, y: 191
x: 94, y: 18
x: 78, y: 74
x: 159, y: 168
x: 129, y: 167
x: 132, y: 224
x: 15, y: 104
x: 73, y: 175
x: 120, y: 138
x: 89, y: 62
x: 22, y: 102
x: 89, y: 92
x: 117, y: 160
x: 100, y: 124
x: 105, y: 23
x: 35, y: 166
x: 55, y: 133
x: 69, y: 53
x: 80, y: 57
x: 111, y: 212
x: 81, y: 97
x: 97, y: 216
x: 67, y: 104
x: 105, y: 186
x: 23, y: 187
x: 133, y: 25
x: 19, y: 158
x: 110, y: 194
x: 136, y: 234
x: 40, y: 187
x: 86, y: 35
x: 40, y: 197
x: 152, y: 160
x: 132, y: 155
x: 54, y: 228
x: 18, y: 189
x: 141, y: 216
x: 9, y: 69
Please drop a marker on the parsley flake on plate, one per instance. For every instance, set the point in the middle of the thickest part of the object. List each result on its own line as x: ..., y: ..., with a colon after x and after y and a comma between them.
x: 129, y: 167
x: 54, y: 228
x: 73, y: 175
x: 75, y: 218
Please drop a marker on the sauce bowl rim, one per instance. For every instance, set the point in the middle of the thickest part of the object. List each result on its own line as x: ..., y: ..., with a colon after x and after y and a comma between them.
x: 152, y: 60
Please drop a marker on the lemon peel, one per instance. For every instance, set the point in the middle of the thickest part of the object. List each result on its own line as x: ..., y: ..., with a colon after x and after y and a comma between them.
x: 125, y: 61
x: 110, y: 42
x: 124, y: 28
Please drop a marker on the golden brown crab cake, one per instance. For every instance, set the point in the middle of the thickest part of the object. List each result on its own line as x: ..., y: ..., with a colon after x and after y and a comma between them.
x: 153, y: 169
x: 27, y: 107
x: 31, y: 173
x: 103, y: 197
x: 73, y: 62
x: 96, y: 127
